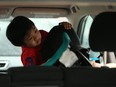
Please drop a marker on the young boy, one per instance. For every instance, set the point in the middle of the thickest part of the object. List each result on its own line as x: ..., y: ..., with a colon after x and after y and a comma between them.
x: 22, y: 32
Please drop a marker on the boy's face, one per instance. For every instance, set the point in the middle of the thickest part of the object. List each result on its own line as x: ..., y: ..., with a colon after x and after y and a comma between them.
x: 32, y: 38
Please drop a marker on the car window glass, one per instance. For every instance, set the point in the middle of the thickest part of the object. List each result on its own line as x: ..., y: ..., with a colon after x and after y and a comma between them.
x: 84, y: 34
x: 7, y: 49
x: 86, y: 28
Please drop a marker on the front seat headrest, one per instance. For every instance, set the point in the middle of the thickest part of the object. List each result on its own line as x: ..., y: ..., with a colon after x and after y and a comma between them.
x: 102, y: 35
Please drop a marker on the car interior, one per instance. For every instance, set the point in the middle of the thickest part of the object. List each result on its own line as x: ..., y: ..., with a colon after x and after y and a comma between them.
x: 93, y: 34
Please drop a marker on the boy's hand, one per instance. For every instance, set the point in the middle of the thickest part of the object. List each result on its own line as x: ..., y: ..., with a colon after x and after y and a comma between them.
x: 66, y: 25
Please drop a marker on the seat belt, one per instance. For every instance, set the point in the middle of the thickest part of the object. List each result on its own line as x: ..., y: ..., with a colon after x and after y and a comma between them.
x: 76, y: 47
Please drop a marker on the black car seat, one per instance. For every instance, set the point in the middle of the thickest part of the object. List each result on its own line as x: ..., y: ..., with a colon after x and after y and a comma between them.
x: 34, y: 76
x: 57, y: 42
x: 102, y: 34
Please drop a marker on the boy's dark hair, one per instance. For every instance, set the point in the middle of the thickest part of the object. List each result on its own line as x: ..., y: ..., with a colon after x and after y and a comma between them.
x: 17, y: 30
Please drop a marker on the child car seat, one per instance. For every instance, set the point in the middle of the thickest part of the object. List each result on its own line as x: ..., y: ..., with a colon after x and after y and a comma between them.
x: 57, y: 42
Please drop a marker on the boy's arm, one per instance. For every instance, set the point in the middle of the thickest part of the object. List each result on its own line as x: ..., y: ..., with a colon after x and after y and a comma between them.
x: 28, y: 57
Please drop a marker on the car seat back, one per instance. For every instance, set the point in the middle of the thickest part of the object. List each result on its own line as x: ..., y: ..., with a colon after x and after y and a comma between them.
x: 102, y: 33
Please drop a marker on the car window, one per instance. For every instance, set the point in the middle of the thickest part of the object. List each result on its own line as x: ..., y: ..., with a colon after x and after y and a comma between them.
x: 10, y: 55
x: 85, y: 25
x: 47, y: 23
x: 7, y: 49
x: 83, y: 32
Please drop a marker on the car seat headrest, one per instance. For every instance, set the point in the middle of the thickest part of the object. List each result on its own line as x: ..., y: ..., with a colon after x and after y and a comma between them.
x: 102, y: 35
